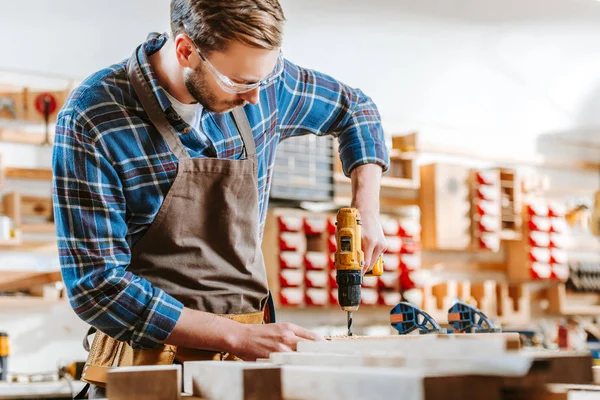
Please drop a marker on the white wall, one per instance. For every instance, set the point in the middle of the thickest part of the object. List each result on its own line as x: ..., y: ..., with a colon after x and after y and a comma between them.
x: 497, y: 76
x: 490, y: 74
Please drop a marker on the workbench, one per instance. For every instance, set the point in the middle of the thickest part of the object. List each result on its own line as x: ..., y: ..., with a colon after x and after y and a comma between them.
x: 40, y: 390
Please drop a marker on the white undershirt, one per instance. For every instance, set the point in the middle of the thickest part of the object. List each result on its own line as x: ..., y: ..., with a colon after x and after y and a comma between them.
x: 190, y: 113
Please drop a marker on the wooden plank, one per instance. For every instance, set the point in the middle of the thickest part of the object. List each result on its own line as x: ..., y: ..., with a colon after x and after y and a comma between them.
x: 359, y: 383
x: 13, y: 280
x: 423, y: 345
x: 153, y: 382
x: 232, y: 380
x: 42, y: 174
x: 511, y: 339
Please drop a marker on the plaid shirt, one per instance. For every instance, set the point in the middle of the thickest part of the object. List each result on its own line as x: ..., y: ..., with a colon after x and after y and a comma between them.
x: 112, y: 171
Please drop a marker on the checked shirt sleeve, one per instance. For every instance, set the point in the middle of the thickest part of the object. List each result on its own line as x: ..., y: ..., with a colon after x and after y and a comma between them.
x: 312, y: 102
x: 90, y: 208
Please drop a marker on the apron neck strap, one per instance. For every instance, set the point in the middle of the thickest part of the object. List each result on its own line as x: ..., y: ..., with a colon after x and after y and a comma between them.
x: 152, y: 108
x: 241, y: 120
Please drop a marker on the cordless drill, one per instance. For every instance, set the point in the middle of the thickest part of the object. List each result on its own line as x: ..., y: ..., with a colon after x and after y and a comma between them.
x: 349, y: 261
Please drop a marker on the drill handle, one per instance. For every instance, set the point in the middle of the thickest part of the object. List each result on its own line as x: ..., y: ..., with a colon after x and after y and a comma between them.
x: 377, y: 268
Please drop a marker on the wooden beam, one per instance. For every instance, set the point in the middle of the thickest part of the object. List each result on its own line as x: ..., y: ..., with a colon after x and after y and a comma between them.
x: 153, y: 382
x: 42, y: 174
x: 232, y: 380
x: 11, y: 207
x: 47, y: 228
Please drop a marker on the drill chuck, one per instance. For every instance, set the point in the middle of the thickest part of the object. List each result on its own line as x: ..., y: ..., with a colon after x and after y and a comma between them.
x: 349, y: 282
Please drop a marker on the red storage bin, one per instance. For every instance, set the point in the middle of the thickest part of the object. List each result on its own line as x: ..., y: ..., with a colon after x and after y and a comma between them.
x: 332, y: 281
x: 485, y: 207
x: 332, y: 244
x: 539, y: 239
x: 558, y: 240
x: 557, y: 210
x: 560, y: 272
x: 410, y: 246
x: 290, y: 223
x: 315, y: 226
x: 539, y: 255
x: 314, y: 260
x: 290, y: 259
x: 394, y: 244
x: 541, y: 224
x: 291, y: 296
x: 316, y: 279
x: 390, y: 226
x: 558, y: 256
x: 317, y: 297
x: 558, y: 225
x: 389, y: 298
x: 390, y: 280
x: 370, y: 281
x: 289, y: 241
x: 541, y: 271
x: 369, y: 297
x: 489, y: 241
x: 487, y: 177
x: 488, y: 223
x: 488, y: 192
x: 391, y: 262
x: 410, y: 261
x: 291, y: 278
x: 409, y: 228
x: 537, y: 209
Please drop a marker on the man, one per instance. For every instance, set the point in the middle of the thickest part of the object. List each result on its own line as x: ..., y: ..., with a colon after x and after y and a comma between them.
x: 162, y: 168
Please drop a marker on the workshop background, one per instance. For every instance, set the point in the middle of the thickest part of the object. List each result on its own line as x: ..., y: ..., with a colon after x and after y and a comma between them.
x: 492, y: 116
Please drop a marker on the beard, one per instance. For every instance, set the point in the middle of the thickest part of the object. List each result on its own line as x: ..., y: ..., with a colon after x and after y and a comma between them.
x: 196, y: 84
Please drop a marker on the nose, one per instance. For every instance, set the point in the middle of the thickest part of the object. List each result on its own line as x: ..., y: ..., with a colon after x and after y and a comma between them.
x: 251, y: 96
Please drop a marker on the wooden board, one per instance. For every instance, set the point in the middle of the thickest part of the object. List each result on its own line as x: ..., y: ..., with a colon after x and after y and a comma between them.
x: 220, y: 380
x: 423, y: 345
x: 511, y: 339
x: 154, y: 382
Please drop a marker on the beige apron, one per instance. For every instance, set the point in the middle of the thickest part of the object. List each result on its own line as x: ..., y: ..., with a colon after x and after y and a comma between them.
x: 202, y: 247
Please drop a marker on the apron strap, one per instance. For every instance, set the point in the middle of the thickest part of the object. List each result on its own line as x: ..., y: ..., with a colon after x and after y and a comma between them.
x: 151, y: 106
x: 241, y: 120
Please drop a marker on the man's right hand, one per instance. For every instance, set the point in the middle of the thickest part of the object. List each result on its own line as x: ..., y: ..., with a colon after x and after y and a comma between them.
x: 259, y: 341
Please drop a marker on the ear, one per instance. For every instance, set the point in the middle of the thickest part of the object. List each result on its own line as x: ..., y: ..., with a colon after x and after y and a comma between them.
x: 184, y: 50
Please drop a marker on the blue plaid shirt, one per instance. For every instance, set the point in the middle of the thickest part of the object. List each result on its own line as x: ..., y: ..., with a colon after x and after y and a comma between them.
x: 112, y: 172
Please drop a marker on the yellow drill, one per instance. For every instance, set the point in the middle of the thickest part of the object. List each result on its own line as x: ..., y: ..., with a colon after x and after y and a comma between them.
x: 349, y: 261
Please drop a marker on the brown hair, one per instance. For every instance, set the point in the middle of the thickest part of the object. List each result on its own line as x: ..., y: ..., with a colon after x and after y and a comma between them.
x: 214, y: 23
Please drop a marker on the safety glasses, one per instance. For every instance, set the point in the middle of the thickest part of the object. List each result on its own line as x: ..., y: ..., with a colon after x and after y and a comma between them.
x: 232, y: 87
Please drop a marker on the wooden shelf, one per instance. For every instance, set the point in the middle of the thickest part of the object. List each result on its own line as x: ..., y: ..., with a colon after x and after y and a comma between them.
x: 386, y: 181
x: 41, y: 174
x: 11, y: 135
x: 17, y: 280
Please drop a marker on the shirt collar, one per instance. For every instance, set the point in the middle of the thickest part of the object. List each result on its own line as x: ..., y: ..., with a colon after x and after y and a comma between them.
x: 153, y: 44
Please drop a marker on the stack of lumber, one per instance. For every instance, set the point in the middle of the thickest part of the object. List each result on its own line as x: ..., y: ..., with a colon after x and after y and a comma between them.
x: 414, y: 367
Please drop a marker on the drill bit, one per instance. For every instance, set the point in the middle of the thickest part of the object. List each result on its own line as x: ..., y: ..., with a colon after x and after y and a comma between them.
x: 349, y: 313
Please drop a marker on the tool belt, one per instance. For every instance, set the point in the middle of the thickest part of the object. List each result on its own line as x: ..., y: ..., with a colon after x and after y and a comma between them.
x: 106, y: 353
